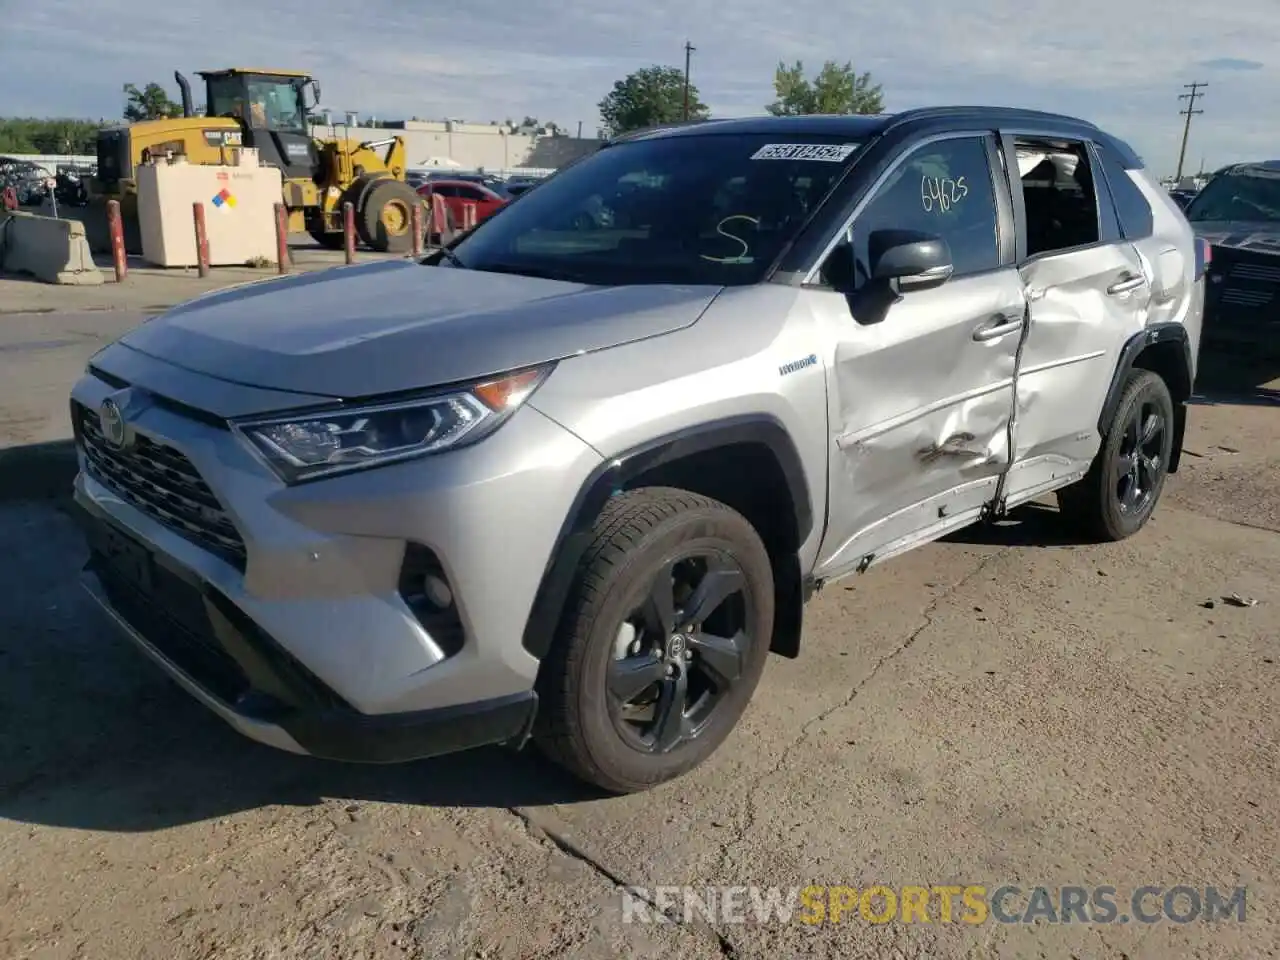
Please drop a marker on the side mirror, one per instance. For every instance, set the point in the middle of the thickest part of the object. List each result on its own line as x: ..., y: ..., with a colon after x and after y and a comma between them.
x: 909, y: 260
x: 315, y: 93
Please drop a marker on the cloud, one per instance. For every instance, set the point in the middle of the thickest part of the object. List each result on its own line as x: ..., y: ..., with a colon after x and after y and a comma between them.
x: 555, y: 59
x: 1230, y: 63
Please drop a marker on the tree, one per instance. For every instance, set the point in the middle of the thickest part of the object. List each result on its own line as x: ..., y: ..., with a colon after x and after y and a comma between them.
x: 149, y: 103
x: 52, y: 136
x: 836, y: 89
x: 651, y: 95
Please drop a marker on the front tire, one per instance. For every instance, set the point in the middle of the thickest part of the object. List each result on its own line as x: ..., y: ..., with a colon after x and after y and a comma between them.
x: 385, y: 222
x: 1118, y: 494
x: 663, y: 640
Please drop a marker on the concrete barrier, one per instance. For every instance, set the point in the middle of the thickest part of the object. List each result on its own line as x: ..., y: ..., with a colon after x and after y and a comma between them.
x: 54, y: 251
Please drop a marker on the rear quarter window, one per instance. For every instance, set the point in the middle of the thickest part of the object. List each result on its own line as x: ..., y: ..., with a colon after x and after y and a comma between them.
x: 1131, y: 206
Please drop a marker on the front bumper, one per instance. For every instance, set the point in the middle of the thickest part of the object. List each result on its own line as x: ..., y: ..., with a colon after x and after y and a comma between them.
x: 298, y: 633
x: 328, y: 730
x: 1242, y: 299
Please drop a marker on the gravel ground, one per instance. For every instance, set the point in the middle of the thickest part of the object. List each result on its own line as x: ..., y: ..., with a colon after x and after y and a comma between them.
x: 1005, y: 707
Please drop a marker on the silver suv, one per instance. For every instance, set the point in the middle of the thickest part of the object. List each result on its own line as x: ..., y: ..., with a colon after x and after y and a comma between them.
x: 573, y: 478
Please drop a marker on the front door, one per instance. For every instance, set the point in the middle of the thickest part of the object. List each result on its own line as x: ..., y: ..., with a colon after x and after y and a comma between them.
x: 920, y: 393
x: 1088, y: 291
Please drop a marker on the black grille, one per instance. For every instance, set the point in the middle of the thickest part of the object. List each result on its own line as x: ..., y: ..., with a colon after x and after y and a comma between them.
x: 163, y: 484
x: 113, y: 156
x: 1243, y: 296
x: 173, y: 619
x: 1256, y: 272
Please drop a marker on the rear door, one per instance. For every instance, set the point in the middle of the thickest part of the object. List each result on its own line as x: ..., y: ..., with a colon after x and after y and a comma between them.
x: 1088, y: 291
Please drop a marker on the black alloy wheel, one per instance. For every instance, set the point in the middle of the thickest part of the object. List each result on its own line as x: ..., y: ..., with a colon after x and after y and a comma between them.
x: 662, y: 643
x: 1115, y: 499
x: 680, y: 652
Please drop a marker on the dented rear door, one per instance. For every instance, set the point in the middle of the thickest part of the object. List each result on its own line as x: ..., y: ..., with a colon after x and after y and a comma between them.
x: 1084, y: 303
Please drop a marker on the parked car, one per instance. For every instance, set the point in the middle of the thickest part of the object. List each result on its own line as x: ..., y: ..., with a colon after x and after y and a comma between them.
x: 1238, y: 213
x: 28, y: 180
x: 496, y: 184
x: 574, y: 477
x: 458, y: 193
x: 514, y: 188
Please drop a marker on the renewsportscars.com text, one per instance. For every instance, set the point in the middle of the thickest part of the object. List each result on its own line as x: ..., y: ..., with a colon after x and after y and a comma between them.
x: 972, y: 904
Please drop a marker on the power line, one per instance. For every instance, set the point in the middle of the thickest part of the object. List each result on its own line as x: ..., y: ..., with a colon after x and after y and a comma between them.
x: 1191, y: 111
x: 688, y: 52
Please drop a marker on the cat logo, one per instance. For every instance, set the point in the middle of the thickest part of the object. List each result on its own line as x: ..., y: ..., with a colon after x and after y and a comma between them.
x: 223, y: 138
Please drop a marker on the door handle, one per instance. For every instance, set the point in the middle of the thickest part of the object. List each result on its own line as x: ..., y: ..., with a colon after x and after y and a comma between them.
x: 1125, y: 284
x: 1003, y: 324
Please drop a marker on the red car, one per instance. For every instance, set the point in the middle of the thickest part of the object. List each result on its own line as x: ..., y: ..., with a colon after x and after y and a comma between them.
x: 459, y: 192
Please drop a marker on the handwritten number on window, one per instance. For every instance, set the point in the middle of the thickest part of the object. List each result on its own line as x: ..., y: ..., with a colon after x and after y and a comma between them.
x: 941, y: 193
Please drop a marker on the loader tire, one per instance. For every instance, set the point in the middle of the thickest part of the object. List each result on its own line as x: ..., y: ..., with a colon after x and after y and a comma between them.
x: 329, y: 239
x: 385, y: 219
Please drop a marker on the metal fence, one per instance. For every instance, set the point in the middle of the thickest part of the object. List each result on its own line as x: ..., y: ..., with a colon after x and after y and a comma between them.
x: 51, y: 161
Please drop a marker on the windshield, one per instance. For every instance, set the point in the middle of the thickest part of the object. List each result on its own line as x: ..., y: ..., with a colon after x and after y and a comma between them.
x: 715, y: 209
x: 1252, y: 195
x: 263, y: 103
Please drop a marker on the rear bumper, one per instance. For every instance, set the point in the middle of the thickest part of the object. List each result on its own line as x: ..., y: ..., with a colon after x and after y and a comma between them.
x: 198, y: 637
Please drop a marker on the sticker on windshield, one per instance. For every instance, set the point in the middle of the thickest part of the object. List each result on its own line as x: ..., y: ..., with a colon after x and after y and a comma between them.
x: 823, y: 152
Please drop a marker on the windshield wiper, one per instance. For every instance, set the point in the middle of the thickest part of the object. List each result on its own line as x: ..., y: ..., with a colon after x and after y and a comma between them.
x: 447, y: 254
x: 539, y: 273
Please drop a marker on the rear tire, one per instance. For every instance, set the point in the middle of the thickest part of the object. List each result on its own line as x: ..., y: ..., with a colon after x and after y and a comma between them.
x: 329, y: 239
x: 386, y: 216
x: 631, y: 696
x: 1118, y: 494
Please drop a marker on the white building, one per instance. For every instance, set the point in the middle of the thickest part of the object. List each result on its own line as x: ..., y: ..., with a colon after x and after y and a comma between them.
x: 472, y: 146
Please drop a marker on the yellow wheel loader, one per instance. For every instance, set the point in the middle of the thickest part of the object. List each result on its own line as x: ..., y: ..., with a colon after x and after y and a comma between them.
x: 267, y: 110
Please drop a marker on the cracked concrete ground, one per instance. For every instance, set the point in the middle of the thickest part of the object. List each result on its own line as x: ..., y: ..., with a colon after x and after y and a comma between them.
x: 1003, y: 707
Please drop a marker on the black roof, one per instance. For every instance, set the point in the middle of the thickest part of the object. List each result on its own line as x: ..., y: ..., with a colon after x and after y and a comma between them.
x: 1254, y: 168
x: 862, y: 126
x: 853, y: 124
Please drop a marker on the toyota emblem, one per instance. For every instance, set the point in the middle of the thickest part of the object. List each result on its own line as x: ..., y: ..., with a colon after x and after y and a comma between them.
x: 112, y: 424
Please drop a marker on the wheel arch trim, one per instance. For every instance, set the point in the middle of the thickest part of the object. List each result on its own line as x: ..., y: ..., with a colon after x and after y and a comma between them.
x: 1135, y: 347
x: 609, y: 477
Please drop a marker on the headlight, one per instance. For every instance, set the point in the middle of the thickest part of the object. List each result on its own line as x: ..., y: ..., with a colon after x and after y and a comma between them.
x: 312, y: 444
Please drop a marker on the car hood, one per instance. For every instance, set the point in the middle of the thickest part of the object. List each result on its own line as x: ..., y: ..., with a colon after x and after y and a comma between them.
x: 1262, y: 236
x: 391, y: 326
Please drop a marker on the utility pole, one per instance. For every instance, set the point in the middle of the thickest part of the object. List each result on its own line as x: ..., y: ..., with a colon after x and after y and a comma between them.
x: 1191, y: 111
x: 688, y: 52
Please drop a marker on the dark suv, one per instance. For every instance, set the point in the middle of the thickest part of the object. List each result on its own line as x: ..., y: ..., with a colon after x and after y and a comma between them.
x: 1238, y: 213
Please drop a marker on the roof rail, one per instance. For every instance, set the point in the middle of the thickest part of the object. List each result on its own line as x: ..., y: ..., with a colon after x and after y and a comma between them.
x: 927, y: 113
x: 656, y: 128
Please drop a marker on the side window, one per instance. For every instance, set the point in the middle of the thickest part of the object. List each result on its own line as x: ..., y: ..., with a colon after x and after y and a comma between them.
x: 944, y: 189
x: 445, y: 190
x: 1131, y: 205
x: 1059, y: 197
x: 470, y: 193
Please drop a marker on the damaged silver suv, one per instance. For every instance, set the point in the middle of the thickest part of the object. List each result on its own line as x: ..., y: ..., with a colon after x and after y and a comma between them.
x: 574, y: 478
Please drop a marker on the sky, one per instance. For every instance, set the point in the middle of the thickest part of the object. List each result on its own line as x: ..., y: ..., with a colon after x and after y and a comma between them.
x: 1119, y: 63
